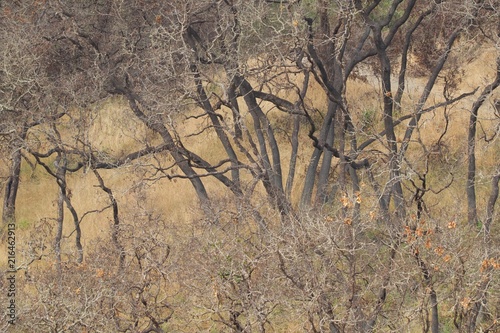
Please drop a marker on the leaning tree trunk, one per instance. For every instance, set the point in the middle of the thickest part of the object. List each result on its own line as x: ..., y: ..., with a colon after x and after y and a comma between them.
x: 471, y: 147
x: 175, y: 151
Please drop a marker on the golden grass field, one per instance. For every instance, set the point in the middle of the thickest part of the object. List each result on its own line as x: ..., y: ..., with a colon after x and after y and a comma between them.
x: 116, y: 132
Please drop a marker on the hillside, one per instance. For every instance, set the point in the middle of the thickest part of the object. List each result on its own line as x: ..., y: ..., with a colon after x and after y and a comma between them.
x: 265, y: 166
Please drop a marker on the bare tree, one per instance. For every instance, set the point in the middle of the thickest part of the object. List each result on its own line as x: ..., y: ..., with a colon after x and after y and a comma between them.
x: 355, y: 238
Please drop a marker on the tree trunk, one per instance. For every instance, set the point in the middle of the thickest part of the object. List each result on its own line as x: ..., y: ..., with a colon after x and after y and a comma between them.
x: 471, y: 169
x: 205, y: 102
x: 310, y: 176
x: 116, y: 220
x: 432, y: 292
x: 490, y: 209
x: 60, y: 216
x: 324, y: 172
x: 394, y: 165
x: 11, y: 188
x: 235, y: 108
x: 262, y: 128
x: 295, y: 135
x: 473, y: 315
x: 60, y: 222
x: 12, y: 184
x: 61, y: 167
x: 293, y: 156
x: 471, y: 147
x: 434, y: 311
x: 181, y: 161
x: 309, y: 179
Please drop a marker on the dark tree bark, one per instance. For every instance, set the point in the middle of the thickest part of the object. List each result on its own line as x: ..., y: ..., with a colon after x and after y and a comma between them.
x: 490, y: 208
x: 295, y: 135
x: 60, y: 217
x: 235, y: 108
x: 428, y: 284
x: 61, y: 169
x: 12, y: 184
x: 323, y: 186
x: 116, y: 220
x: 404, y: 60
x: 471, y: 147
x: 174, y: 150
x: 293, y: 156
x: 11, y: 189
x: 331, y: 62
x: 472, y: 315
x: 273, y: 181
x: 321, y: 56
x: 221, y: 134
x: 394, y: 164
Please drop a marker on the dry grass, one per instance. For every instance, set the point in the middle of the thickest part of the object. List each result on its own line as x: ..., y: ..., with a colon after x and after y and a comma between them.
x: 450, y: 155
x: 118, y: 133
